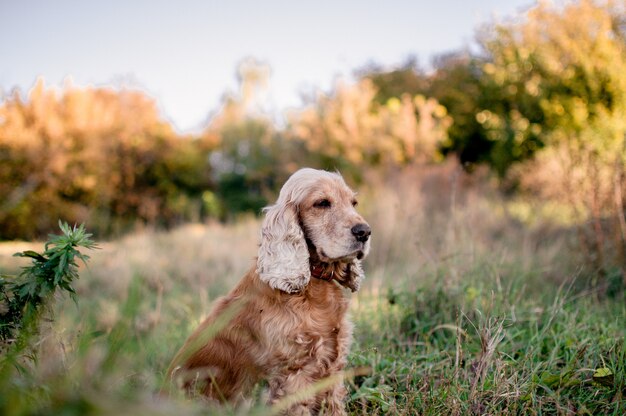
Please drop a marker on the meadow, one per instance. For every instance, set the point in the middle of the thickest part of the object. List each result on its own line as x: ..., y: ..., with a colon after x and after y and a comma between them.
x: 475, y: 303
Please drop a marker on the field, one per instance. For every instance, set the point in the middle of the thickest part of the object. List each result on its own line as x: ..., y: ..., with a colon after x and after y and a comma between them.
x: 474, y: 303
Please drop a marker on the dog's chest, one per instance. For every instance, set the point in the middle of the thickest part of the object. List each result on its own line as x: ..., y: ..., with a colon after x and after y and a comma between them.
x: 316, y: 330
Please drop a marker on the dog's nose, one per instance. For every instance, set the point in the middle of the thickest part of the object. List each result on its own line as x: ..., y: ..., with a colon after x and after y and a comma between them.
x: 361, y: 232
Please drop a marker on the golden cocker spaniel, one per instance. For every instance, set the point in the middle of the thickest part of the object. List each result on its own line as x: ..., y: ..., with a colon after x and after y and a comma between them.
x: 287, y: 322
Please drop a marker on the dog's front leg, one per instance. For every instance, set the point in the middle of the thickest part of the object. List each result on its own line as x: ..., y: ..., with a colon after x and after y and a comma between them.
x: 289, y: 391
x: 332, y: 402
x: 296, y: 392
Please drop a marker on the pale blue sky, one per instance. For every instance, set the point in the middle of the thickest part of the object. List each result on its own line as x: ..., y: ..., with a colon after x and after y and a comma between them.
x: 185, y: 53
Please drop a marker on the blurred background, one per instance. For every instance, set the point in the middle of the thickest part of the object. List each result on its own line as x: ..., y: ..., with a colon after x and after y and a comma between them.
x: 155, y: 114
x: 486, y: 139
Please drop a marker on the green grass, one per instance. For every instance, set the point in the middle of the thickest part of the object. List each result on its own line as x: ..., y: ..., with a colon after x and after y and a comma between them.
x: 431, y: 350
x: 464, y: 350
x: 464, y: 311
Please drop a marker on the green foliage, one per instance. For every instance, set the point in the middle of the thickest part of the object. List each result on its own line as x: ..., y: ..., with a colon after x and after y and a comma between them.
x: 554, y: 76
x: 486, y: 123
x: 456, y: 83
x: 247, y: 166
x: 561, y: 71
x: 542, y: 104
x: 560, y: 74
x: 406, y: 79
x: 23, y: 298
x: 485, y: 350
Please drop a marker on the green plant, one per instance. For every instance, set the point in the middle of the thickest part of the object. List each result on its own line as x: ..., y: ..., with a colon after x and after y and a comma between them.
x: 23, y: 298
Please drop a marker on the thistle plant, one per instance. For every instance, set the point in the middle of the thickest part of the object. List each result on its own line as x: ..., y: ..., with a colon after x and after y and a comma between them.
x: 24, y: 297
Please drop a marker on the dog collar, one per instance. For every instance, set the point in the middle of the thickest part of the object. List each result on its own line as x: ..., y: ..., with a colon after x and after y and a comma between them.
x: 320, y: 272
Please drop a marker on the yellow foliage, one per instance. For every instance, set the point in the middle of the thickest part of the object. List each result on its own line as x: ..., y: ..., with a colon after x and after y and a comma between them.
x: 68, y: 150
x: 351, y: 125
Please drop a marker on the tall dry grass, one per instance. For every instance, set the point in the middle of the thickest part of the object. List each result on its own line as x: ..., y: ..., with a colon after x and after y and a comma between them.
x: 430, y: 224
x: 437, y: 217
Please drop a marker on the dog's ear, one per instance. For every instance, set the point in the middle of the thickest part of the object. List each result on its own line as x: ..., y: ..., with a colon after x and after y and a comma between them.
x: 353, y: 276
x: 283, y: 260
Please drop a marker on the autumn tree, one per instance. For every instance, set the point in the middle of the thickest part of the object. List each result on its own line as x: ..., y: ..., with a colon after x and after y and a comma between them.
x: 350, y: 128
x: 94, y: 155
x: 457, y: 82
x: 560, y: 71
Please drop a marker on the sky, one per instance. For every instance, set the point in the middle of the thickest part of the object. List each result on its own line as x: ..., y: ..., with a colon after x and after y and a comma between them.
x: 185, y: 53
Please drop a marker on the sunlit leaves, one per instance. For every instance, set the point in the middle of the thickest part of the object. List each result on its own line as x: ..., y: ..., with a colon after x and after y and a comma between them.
x: 351, y: 125
x: 562, y: 72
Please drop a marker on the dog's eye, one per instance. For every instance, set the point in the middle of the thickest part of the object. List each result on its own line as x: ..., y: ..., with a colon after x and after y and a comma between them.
x: 322, y: 203
x: 355, y: 202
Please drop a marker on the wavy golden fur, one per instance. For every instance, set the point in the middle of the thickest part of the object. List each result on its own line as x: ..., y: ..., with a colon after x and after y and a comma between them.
x: 288, y: 320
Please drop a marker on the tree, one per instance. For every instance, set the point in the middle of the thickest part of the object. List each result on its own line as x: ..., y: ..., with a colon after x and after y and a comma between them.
x: 458, y: 83
x: 93, y: 155
x: 350, y: 128
x: 561, y: 71
x: 393, y: 83
x: 249, y: 157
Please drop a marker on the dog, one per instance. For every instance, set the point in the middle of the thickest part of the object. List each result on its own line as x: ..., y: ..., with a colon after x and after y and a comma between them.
x: 286, y: 322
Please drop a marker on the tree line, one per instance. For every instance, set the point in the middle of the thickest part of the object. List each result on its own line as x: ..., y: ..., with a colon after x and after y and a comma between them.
x: 542, y: 102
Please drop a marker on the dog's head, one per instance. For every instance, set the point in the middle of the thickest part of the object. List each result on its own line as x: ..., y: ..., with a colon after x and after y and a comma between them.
x: 315, y: 210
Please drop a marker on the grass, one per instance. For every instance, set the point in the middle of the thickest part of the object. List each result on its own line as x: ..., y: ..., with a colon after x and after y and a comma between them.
x: 466, y: 310
x: 512, y: 350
